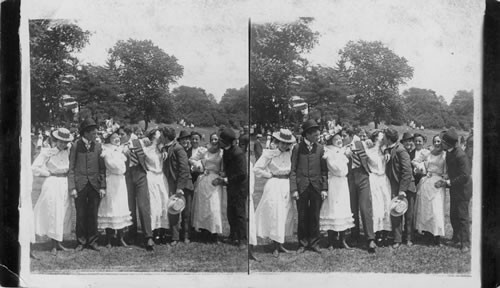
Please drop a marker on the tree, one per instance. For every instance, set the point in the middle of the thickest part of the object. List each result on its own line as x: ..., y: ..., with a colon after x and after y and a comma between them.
x: 145, y: 72
x: 325, y: 90
x: 98, y: 94
x: 234, y: 105
x: 276, y: 60
x: 463, y: 106
x: 194, y: 105
x: 374, y: 73
x: 52, y: 65
x: 424, y: 107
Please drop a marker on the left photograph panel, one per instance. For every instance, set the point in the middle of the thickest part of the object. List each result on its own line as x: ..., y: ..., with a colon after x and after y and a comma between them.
x: 134, y: 117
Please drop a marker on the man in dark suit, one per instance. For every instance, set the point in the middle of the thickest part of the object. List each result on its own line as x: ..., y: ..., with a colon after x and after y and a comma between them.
x: 257, y: 147
x: 235, y: 166
x: 359, y: 188
x: 87, y: 184
x: 460, y: 184
x: 176, y: 169
x: 400, y: 174
x: 137, y: 187
x: 308, y: 185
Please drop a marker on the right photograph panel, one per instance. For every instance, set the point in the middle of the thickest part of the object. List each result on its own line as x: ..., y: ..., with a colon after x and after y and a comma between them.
x: 362, y: 139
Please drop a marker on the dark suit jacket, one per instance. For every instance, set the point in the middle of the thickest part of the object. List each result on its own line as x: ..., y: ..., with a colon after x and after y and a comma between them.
x: 308, y: 167
x: 86, y: 166
x: 234, y: 161
x: 358, y: 147
x: 176, y: 168
x: 257, y: 149
x: 399, y: 170
x: 459, y: 172
x: 136, y: 146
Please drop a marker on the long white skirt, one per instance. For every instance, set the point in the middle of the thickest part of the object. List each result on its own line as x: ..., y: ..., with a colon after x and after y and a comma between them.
x: 429, y: 206
x: 335, y: 211
x: 274, y: 214
x: 52, y: 210
x: 207, y: 204
x: 158, y: 199
x: 380, y: 188
x: 113, y: 210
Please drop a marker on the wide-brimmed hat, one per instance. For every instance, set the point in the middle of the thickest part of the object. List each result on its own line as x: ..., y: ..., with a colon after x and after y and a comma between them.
x: 62, y: 134
x: 450, y: 137
x: 176, y: 204
x: 406, y: 136
x: 87, y: 123
x: 398, y: 206
x: 284, y: 135
x: 227, y: 135
x: 183, y: 134
x: 308, y: 125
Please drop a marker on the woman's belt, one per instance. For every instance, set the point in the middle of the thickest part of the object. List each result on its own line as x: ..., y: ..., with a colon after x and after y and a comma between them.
x: 283, y: 176
x: 430, y: 174
x: 59, y: 174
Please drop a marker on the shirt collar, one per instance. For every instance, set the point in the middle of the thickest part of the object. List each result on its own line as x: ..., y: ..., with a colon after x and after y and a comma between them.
x: 85, y: 141
x: 392, y: 145
x: 308, y: 143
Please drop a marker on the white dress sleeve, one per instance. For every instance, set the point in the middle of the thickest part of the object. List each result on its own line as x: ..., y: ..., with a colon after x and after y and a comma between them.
x: 261, y: 166
x: 39, y: 167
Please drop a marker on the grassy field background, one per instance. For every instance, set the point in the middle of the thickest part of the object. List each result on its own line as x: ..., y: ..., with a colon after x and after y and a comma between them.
x: 192, y: 257
x: 418, y: 259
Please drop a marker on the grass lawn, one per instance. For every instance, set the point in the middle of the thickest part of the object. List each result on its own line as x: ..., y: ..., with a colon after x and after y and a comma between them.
x: 192, y: 257
x: 418, y: 259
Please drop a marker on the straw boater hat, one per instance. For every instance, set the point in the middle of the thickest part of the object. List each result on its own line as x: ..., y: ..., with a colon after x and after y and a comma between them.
x: 62, y: 134
x: 284, y: 135
x: 176, y: 204
x: 398, y: 206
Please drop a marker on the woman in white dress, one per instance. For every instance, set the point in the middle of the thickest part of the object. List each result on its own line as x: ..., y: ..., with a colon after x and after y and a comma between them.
x: 252, y: 233
x: 114, y: 213
x: 335, y: 216
x: 157, y: 187
x: 207, y: 200
x: 380, y: 188
x: 52, y: 210
x: 420, y: 153
x: 274, y: 214
x: 430, y: 201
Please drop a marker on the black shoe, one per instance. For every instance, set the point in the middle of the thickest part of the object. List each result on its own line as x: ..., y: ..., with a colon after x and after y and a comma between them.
x: 283, y: 249
x: 252, y: 257
x: 60, y: 247
x: 93, y: 247
x: 301, y: 250
x: 345, y: 245
x: 150, y: 245
x: 316, y: 249
x: 371, y: 246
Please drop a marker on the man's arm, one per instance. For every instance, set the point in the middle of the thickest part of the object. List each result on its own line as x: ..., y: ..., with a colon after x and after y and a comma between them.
x: 102, y: 169
x: 464, y: 171
x: 183, y: 172
x: 293, y: 170
x: 406, y: 170
x: 71, y: 171
x: 324, y: 172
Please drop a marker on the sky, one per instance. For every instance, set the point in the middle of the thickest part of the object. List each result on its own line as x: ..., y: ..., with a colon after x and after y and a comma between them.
x: 440, y: 39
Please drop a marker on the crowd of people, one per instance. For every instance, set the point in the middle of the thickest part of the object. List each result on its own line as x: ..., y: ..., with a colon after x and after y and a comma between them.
x: 167, y: 182
x: 351, y: 180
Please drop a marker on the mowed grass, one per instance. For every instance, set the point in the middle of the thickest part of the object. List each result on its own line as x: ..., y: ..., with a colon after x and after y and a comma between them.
x: 421, y: 258
x: 193, y: 257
